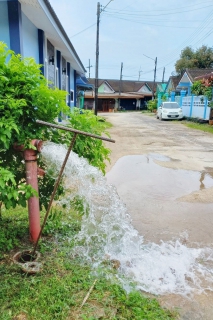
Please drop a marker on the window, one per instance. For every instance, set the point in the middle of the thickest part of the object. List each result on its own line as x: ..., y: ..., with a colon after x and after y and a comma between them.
x: 71, y: 95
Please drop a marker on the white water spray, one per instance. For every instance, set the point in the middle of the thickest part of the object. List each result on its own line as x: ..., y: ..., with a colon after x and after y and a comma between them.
x: 107, y: 233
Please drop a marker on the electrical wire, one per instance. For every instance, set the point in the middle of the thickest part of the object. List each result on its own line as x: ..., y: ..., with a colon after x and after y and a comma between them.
x: 83, y: 30
x: 154, y: 15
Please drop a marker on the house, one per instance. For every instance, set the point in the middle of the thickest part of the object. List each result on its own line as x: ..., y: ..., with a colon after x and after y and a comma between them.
x: 188, y: 77
x: 116, y: 94
x: 172, y: 84
x: 31, y: 28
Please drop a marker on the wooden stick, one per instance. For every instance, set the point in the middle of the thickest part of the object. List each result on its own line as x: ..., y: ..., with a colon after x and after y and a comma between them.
x: 87, y: 296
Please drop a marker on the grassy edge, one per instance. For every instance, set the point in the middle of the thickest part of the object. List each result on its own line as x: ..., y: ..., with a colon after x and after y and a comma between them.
x: 58, y: 291
x: 198, y: 126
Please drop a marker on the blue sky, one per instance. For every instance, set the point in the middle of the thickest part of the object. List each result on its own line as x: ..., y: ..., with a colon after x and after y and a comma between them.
x: 130, y: 30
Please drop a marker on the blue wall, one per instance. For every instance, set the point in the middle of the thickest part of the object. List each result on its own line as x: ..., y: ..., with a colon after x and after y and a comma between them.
x: 30, y: 39
x: 4, y: 24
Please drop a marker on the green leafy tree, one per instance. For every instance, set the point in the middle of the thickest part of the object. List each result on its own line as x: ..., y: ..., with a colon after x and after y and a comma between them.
x: 201, y: 58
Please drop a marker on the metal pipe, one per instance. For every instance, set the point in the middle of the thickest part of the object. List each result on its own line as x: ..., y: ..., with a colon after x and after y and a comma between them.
x: 54, y: 191
x: 74, y: 130
x: 30, y: 157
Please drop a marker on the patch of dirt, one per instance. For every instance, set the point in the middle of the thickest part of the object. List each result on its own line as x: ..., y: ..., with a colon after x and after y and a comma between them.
x: 201, y: 196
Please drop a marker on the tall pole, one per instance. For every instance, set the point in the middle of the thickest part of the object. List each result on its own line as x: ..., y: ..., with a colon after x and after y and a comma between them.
x: 163, y: 74
x: 120, y: 83
x: 89, y: 67
x: 121, y: 76
x: 97, y: 59
x: 153, y: 89
x: 139, y: 75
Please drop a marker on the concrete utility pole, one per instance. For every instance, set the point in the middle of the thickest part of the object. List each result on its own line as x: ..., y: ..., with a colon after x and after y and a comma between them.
x: 153, y: 89
x: 120, y: 83
x: 121, y: 76
x: 97, y: 58
x: 99, y: 10
x: 139, y: 76
x: 89, y: 67
x: 163, y: 74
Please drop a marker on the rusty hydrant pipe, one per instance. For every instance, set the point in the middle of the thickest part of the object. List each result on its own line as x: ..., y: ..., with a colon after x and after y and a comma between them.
x: 31, y: 168
x: 30, y: 157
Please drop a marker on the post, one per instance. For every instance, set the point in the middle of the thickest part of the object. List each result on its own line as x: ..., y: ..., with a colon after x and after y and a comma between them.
x: 153, y: 89
x: 159, y: 99
x: 89, y: 67
x: 163, y: 75
x: 205, y: 108
x: 121, y: 76
x: 182, y: 95
x: 97, y: 59
x: 172, y: 96
x: 191, y: 105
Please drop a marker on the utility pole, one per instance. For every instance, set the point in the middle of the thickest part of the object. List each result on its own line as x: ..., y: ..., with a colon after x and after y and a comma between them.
x: 97, y: 58
x: 120, y: 83
x: 89, y: 67
x: 121, y: 76
x: 153, y: 89
x: 163, y: 74
x: 139, y: 76
x: 99, y: 10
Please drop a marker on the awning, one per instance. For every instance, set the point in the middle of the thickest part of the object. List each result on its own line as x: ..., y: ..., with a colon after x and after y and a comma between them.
x: 82, y: 85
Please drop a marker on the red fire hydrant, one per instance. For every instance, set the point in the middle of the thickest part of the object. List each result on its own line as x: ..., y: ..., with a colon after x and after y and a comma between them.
x: 32, y: 170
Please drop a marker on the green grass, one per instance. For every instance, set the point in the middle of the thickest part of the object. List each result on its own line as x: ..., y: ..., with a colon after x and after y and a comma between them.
x: 198, y: 126
x: 58, y: 290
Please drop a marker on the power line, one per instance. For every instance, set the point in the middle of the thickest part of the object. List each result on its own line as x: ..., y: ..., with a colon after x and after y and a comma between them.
x: 83, y: 30
x: 155, y: 15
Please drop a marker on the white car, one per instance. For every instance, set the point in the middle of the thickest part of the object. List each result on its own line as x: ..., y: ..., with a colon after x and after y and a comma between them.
x: 169, y: 110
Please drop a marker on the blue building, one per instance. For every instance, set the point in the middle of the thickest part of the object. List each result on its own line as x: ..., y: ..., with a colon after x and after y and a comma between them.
x: 31, y: 28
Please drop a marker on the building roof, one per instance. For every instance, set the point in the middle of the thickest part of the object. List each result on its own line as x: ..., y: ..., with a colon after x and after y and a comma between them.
x: 205, y: 76
x: 161, y: 87
x: 173, y: 80
x: 114, y: 95
x: 42, y: 15
x: 125, y: 85
x: 194, y: 73
x: 82, y: 84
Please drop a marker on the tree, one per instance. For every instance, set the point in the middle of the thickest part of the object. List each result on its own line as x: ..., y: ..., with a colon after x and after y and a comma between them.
x: 203, y: 87
x: 201, y: 58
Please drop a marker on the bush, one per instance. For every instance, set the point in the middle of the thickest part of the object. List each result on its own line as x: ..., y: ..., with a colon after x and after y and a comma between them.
x: 152, y: 105
x: 24, y: 98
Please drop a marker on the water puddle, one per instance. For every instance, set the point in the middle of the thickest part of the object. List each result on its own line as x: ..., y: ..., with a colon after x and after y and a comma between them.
x: 108, y: 235
x: 156, y: 182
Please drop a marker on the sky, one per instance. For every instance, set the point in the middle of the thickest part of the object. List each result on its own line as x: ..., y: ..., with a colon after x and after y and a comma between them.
x: 135, y: 32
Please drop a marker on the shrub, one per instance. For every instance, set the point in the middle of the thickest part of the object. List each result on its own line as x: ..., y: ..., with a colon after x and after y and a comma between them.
x: 25, y: 97
x: 152, y: 105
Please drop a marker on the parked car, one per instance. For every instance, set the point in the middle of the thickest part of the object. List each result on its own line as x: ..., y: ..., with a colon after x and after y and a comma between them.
x: 169, y: 110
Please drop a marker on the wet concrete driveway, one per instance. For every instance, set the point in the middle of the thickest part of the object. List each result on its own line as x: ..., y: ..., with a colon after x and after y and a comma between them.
x: 163, y: 172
